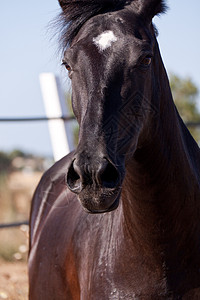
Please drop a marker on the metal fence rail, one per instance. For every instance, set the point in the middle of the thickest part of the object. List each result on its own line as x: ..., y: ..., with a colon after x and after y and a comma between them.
x: 55, y: 105
x: 65, y: 118
x: 29, y: 119
x: 41, y: 118
x: 16, y: 224
x: 32, y: 119
x: 192, y: 124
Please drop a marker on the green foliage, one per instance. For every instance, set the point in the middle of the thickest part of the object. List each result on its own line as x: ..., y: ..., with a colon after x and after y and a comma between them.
x: 14, y: 206
x: 17, y: 153
x: 10, y: 242
x: 185, y: 94
x: 5, y: 162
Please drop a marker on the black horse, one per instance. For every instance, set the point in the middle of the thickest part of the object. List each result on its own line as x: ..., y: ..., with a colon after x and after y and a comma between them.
x: 135, y: 172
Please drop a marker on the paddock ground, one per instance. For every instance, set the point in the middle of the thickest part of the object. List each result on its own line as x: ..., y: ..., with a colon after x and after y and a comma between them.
x: 13, y: 281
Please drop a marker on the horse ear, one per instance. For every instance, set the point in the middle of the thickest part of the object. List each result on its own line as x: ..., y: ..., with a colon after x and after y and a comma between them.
x: 62, y: 3
x: 149, y: 8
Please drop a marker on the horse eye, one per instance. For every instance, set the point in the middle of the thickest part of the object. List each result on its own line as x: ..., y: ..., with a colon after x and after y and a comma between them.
x: 146, y: 61
x: 67, y: 66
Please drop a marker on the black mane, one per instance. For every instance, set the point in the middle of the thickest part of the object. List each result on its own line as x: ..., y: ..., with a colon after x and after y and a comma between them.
x: 76, y: 12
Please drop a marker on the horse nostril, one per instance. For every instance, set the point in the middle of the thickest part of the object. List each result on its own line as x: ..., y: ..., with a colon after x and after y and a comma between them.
x: 109, y: 175
x: 73, y: 179
x: 104, y: 175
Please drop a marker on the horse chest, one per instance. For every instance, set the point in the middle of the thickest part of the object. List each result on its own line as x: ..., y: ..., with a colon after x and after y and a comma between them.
x: 112, y: 284
x: 109, y: 269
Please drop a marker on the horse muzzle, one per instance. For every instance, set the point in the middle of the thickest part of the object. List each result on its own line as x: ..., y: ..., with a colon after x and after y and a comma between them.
x: 97, y: 182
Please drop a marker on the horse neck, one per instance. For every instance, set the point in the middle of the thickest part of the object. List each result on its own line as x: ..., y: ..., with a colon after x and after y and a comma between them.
x: 160, y: 195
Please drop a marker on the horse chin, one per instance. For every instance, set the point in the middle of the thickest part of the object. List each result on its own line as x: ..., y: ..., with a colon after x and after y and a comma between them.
x: 103, y: 204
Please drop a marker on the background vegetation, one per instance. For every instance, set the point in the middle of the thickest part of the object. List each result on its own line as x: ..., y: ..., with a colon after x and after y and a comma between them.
x: 185, y: 94
x: 19, y: 175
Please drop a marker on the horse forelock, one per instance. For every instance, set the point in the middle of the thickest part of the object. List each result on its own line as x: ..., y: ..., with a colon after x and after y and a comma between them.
x: 76, y: 12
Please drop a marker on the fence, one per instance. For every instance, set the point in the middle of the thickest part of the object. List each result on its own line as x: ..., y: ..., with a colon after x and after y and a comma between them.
x: 16, y: 224
x: 49, y: 80
x: 56, y: 116
x: 30, y: 119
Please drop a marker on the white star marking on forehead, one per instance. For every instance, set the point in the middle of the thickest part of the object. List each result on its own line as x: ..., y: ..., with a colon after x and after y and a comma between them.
x: 104, y: 40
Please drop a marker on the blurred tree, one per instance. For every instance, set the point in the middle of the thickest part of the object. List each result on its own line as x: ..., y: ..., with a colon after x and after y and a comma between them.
x: 16, y: 153
x: 185, y: 94
x: 5, y: 162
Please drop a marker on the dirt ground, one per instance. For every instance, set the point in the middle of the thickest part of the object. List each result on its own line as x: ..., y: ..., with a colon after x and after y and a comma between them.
x: 13, y: 281
x: 15, y: 196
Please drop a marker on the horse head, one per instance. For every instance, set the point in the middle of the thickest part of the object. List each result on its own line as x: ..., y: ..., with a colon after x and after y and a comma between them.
x: 111, y: 57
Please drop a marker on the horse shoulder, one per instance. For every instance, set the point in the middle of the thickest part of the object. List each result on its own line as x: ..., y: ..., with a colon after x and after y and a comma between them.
x: 54, y: 215
x: 51, y: 185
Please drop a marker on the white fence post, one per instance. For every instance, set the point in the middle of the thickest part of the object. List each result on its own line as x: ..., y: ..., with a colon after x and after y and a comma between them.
x: 55, y: 106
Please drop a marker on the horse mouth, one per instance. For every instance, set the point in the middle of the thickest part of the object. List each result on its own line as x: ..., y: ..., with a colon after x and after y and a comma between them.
x: 98, y: 203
